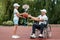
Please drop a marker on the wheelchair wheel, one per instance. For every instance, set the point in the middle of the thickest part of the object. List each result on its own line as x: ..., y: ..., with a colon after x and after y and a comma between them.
x: 47, y: 32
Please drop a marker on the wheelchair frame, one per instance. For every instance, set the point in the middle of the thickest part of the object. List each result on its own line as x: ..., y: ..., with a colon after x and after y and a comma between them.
x: 46, y: 32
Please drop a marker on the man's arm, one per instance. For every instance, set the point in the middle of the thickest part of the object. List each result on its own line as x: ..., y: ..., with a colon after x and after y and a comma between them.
x: 35, y: 18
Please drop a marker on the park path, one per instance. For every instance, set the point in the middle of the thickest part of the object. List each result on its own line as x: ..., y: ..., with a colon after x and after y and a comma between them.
x: 24, y: 32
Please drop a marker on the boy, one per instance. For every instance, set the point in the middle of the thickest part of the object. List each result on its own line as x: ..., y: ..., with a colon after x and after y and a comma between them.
x: 15, y: 20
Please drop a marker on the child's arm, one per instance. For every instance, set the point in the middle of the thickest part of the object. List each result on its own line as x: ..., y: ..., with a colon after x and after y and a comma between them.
x: 18, y: 14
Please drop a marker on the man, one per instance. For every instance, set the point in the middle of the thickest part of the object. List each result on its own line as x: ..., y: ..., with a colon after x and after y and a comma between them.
x: 42, y: 22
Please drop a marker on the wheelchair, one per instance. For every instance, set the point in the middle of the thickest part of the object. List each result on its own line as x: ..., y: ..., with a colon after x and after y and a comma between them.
x: 46, y: 31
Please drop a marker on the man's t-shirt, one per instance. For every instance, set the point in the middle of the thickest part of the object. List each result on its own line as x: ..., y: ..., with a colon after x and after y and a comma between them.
x: 44, y: 17
x: 15, y: 12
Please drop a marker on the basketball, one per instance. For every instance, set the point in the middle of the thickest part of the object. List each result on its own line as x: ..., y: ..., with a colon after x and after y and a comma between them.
x: 25, y: 15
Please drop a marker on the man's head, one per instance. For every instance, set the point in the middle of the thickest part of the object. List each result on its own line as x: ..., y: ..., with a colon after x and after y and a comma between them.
x: 16, y: 5
x: 43, y: 12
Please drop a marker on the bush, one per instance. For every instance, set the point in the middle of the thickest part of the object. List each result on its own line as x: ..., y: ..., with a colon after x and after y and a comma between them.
x: 8, y: 23
x: 4, y: 23
x: 30, y: 24
x: 53, y: 10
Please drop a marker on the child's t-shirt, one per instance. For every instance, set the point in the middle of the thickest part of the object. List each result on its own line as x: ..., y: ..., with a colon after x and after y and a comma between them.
x: 15, y: 12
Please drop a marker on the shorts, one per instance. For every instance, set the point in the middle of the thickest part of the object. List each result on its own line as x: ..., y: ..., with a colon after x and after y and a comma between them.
x: 15, y: 21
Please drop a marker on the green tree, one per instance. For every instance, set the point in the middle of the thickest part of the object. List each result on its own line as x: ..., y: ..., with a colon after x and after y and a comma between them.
x: 52, y: 7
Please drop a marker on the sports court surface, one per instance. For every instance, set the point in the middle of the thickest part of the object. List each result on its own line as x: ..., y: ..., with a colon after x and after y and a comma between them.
x: 24, y: 33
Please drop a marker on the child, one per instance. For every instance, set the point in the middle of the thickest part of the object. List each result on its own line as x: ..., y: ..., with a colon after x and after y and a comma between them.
x: 15, y: 20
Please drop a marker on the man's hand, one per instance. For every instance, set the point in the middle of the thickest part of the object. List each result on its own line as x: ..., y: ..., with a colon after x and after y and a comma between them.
x: 29, y: 16
x: 33, y: 18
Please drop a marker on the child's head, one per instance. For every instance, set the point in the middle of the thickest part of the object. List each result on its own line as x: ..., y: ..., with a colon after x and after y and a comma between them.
x: 16, y: 5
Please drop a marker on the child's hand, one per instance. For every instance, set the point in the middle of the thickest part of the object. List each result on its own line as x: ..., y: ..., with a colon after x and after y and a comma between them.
x: 20, y: 14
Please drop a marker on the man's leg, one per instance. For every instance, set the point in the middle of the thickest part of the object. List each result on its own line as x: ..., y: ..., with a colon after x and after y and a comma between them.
x: 41, y: 30
x: 35, y: 26
x: 33, y: 30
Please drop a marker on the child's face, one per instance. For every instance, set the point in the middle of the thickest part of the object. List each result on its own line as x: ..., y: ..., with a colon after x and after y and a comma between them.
x: 16, y: 7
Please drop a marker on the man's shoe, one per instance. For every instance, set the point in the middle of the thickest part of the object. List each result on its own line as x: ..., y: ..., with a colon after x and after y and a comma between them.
x: 33, y: 36
x: 40, y: 35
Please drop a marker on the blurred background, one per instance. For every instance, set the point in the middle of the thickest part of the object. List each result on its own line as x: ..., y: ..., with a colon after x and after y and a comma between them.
x: 52, y: 7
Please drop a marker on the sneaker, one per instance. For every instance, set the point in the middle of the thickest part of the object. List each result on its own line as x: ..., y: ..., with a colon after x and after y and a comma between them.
x: 15, y: 36
x: 40, y: 35
x: 33, y: 36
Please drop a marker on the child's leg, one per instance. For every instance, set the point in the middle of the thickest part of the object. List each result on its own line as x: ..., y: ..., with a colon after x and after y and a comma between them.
x: 14, y: 32
x: 15, y: 29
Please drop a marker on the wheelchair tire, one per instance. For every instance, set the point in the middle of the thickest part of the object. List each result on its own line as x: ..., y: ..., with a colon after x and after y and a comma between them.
x: 47, y: 32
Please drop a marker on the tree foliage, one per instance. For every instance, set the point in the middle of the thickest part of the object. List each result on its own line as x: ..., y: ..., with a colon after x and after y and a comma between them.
x: 52, y: 7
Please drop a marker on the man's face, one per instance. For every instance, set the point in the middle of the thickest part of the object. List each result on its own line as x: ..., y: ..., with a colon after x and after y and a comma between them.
x: 43, y: 13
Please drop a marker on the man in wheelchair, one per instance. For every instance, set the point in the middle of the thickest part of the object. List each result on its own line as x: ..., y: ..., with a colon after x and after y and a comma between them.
x: 41, y: 23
